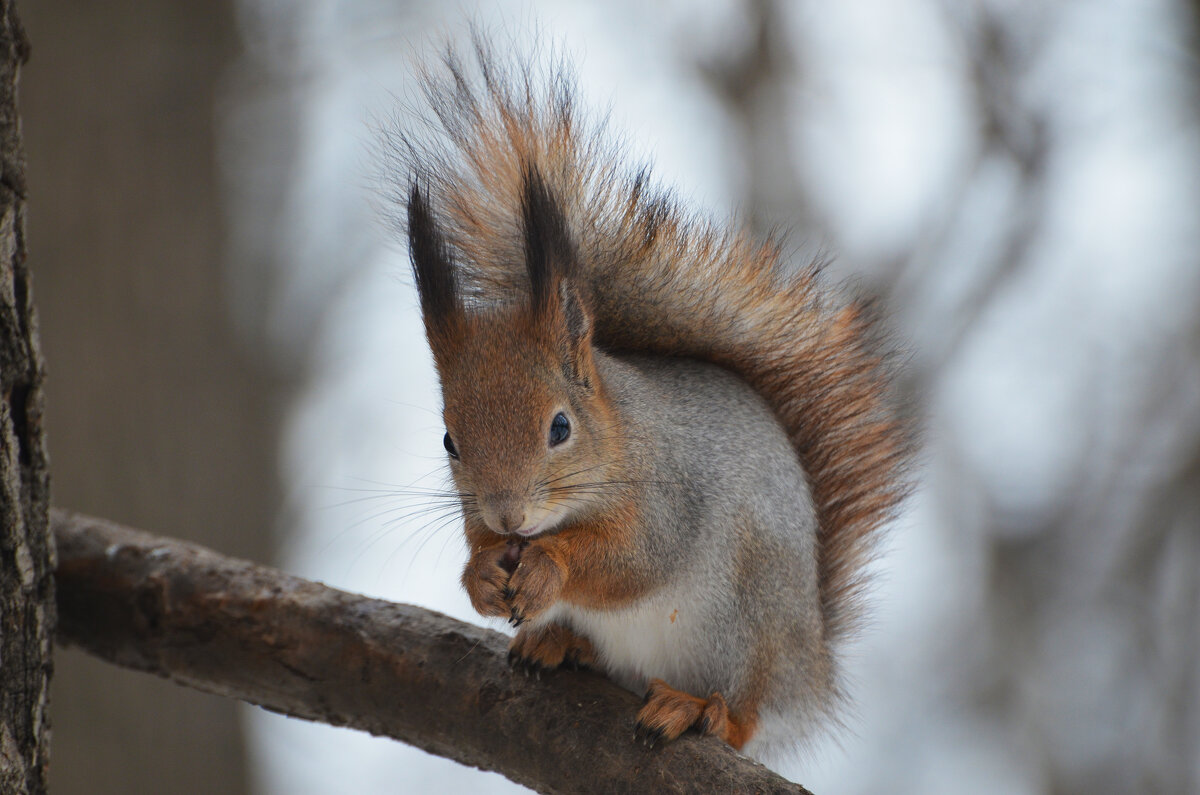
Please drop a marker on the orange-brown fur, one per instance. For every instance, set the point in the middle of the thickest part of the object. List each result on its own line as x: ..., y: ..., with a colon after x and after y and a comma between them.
x: 668, y: 713
x: 568, y: 565
x: 550, y: 647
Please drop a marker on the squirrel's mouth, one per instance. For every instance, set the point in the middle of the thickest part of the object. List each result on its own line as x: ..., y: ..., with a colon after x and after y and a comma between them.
x: 545, y: 522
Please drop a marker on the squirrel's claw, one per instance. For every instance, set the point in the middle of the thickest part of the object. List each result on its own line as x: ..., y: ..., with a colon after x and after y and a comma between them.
x: 525, y: 665
x: 647, y: 735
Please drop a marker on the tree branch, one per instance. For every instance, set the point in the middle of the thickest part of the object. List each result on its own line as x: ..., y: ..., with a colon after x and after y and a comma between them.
x: 237, y: 629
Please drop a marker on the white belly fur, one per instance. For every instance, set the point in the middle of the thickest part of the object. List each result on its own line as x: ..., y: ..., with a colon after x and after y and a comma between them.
x: 661, y: 636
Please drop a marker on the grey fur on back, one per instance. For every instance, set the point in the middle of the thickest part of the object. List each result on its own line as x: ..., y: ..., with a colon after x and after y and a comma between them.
x: 731, y: 523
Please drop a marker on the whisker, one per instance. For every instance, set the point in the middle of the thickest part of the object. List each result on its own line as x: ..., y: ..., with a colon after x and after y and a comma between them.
x: 572, y: 474
x: 404, y: 490
x: 413, y: 510
x: 409, y: 511
x: 385, y: 496
x: 389, y: 527
x: 428, y: 532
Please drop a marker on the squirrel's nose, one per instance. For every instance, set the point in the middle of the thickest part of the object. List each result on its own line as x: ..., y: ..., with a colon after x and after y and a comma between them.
x: 511, y: 520
x: 503, y: 512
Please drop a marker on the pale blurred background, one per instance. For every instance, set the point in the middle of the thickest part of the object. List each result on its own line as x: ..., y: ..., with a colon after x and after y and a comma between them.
x: 235, y: 355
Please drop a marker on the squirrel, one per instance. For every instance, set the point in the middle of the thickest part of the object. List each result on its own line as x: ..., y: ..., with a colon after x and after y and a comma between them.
x: 673, y: 449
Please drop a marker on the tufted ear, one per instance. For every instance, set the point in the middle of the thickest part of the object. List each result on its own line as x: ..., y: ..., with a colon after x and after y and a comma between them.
x: 433, y: 268
x: 549, y: 253
x: 575, y: 330
x: 578, y: 324
x: 550, y: 262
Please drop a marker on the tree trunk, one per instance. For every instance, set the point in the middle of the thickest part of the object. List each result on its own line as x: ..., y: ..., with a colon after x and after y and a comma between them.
x: 26, y: 588
x: 120, y: 110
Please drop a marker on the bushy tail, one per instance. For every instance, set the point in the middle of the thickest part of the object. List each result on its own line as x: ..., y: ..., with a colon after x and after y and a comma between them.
x: 659, y: 281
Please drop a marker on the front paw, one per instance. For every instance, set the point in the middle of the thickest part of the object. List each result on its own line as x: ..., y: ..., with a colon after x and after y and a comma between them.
x: 536, y: 583
x: 485, y: 579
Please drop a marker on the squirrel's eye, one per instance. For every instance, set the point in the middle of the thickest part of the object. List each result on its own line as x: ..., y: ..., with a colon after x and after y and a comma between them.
x: 560, y: 429
x: 448, y: 443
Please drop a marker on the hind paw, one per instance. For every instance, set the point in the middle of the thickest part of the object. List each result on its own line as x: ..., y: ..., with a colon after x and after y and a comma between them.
x: 668, y: 713
x: 533, y: 651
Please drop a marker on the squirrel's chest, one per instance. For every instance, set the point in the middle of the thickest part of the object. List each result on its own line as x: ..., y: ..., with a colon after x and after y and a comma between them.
x: 663, y: 636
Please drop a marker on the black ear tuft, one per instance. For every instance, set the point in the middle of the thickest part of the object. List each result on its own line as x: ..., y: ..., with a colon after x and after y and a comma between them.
x: 432, y: 262
x: 549, y: 254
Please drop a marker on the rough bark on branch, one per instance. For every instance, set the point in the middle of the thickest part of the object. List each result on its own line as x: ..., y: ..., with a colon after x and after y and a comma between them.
x: 297, y: 647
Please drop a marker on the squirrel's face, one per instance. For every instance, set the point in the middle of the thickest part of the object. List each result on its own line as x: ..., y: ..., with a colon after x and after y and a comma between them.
x: 525, y: 425
x: 525, y: 417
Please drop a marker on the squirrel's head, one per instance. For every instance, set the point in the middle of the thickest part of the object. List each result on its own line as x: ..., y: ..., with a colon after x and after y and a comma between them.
x: 527, y: 429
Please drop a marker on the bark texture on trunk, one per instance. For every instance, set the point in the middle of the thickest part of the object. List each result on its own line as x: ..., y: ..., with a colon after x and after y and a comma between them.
x: 26, y: 555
